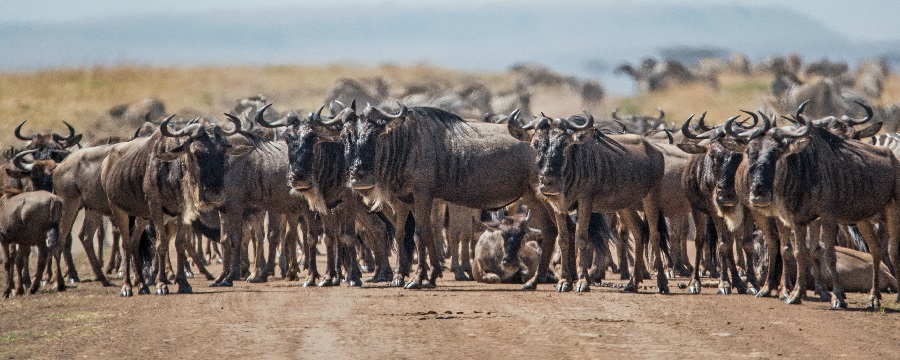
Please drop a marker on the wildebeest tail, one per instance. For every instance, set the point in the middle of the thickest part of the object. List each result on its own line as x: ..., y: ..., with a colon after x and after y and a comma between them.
x: 599, y: 233
x: 711, y: 236
x: 857, y: 238
x: 214, y: 234
x: 663, y: 229
x: 55, y: 213
x: 391, y: 230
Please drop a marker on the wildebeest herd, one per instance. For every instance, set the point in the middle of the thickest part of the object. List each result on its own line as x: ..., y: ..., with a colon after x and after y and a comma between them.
x: 551, y: 197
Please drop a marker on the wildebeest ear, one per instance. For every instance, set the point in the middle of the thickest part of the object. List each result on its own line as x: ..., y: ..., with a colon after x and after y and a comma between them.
x: 797, y: 145
x: 16, y: 173
x: 172, y: 155
x: 869, y: 131
x: 692, y: 148
x: 238, y: 150
x: 581, y: 135
x: 393, y: 124
x: 518, y: 132
x: 732, y: 145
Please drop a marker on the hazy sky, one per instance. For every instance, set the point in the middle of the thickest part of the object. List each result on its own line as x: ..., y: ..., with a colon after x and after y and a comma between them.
x: 857, y: 19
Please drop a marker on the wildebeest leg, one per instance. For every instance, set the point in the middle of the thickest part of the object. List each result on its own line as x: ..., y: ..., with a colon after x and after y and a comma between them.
x: 129, y: 248
x: 565, y: 241
x: 331, y: 253
x: 632, y: 221
x: 700, y: 219
x: 404, y: 227
x: 195, y: 255
x: 867, y: 230
x: 260, y: 263
x: 8, y: 262
x: 182, y: 233
x: 466, y: 255
x: 814, y: 230
x: 92, y: 222
x: 43, y: 253
x: 828, y: 238
x: 231, y: 223
x: 60, y: 282
x: 348, y: 243
x: 584, y: 253
x: 801, y: 255
x: 289, y: 248
x: 115, y: 256
x: 746, y: 242
x: 426, y: 246
x: 20, y: 254
x: 656, y: 224
x: 543, y: 218
x: 625, y: 262
x: 726, y: 260
x: 309, y: 259
x: 275, y: 236
x: 892, y: 221
x: 164, y: 234
x: 773, y: 250
x: 375, y: 237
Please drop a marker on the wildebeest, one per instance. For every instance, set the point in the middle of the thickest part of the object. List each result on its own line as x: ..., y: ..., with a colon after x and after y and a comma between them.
x: 801, y: 174
x: 585, y: 170
x: 640, y: 124
x: 165, y: 178
x: 408, y: 159
x: 502, y: 254
x: 48, y: 145
x: 318, y: 174
x: 29, y: 219
x: 135, y: 114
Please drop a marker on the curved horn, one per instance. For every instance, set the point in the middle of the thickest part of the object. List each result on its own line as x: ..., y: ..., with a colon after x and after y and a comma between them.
x: 18, y: 132
x: 513, y: 118
x: 729, y: 127
x: 17, y: 160
x: 164, y: 128
x: 755, y: 119
x: 403, y: 111
x: 60, y: 138
x: 800, y: 108
x: 662, y: 114
x: 237, y: 124
x: 624, y: 127
x: 800, y: 132
x: 686, y: 130
x: 864, y: 120
x: 767, y: 123
x: 614, y: 115
x: 588, y: 123
x: 702, y: 124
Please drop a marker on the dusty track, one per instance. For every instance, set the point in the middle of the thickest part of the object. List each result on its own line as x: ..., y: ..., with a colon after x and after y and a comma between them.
x: 458, y: 320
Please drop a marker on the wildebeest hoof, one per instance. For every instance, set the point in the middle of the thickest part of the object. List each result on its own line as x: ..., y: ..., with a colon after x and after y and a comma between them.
x: 839, y: 304
x: 563, y: 286
x: 43, y: 282
x: 582, y: 286
x: 413, y: 285
x: 662, y: 289
x: 257, y: 280
x: 126, y: 293
x: 530, y: 286
x: 462, y: 277
x: 223, y: 283
x: 873, y: 304
x: 670, y: 274
x: 365, y: 268
x: 310, y: 281
x: 354, y: 283
x: 694, y: 289
x: 189, y: 274
x: 398, y: 282
x: 162, y: 290
x: 764, y: 292
x: 325, y: 282
x: 185, y: 289
x: 794, y: 299
x: 724, y: 291
x: 119, y: 274
x: 60, y: 287
x: 630, y: 287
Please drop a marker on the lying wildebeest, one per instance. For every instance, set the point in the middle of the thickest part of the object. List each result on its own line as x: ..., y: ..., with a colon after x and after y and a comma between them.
x: 410, y: 158
x: 801, y: 174
x: 855, y: 271
x: 502, y: 253
x: 586, y: 170
x: 136, y: 113
x: 29, y: 219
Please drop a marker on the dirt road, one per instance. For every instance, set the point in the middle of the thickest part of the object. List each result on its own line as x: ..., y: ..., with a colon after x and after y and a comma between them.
x: 457, y: 320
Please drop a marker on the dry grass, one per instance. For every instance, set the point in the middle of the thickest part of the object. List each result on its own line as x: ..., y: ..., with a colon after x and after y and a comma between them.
x: 83, y: 96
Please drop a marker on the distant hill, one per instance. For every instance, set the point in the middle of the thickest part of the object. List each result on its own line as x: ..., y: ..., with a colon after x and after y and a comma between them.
x: 484, y: 37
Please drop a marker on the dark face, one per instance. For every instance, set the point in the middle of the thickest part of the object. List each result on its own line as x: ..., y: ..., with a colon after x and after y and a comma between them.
x: 361, y: 136
x: 551, y: 145
x: 763, y: 154
x: 513, y: 231
x: 41, y: 174
x: 724, y: 164
x: 209, y: 150
x: 301, y: 141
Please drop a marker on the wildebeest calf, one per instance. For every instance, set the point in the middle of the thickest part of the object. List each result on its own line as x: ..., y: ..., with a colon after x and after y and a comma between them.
x: 29, y: 219
x: 501, y: 257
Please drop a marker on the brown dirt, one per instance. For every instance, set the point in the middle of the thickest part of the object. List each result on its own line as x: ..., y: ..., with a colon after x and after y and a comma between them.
x: 457, y: 320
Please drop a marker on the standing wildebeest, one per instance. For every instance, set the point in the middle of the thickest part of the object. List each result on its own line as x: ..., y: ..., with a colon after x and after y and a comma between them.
x: 419, y: 154
x: 164, y: 180
x: 253, y: 184
x: 29, y: 219
x: 49, y: 145
x: 583, y: 169
x: 318, y: 174
x: 802, y: 174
